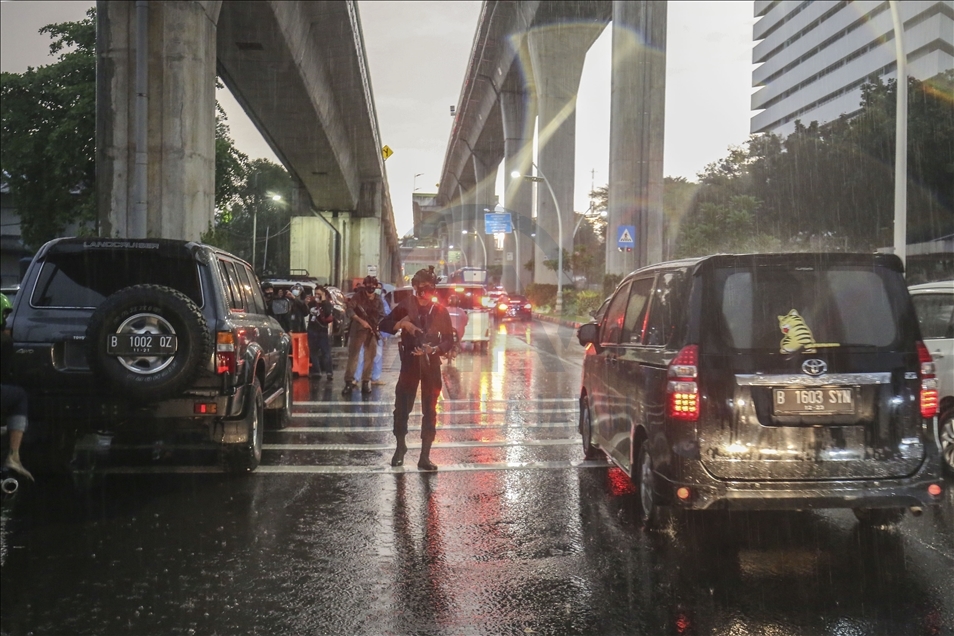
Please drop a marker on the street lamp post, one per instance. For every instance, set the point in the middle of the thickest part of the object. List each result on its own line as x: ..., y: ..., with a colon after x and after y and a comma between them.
x: 482, y: 244
x: 556, y: 204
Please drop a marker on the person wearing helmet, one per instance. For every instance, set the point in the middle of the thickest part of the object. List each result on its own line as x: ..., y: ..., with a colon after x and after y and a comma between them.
x: 426, y: 335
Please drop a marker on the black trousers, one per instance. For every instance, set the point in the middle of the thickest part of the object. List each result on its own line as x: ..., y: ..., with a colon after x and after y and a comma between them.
x: 417, y: 371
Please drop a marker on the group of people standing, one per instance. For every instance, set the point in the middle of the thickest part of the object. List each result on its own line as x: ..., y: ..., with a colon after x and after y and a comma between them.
x: 427, y: 335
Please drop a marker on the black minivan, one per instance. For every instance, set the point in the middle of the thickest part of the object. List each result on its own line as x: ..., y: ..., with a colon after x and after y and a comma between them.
x: 765, y: 381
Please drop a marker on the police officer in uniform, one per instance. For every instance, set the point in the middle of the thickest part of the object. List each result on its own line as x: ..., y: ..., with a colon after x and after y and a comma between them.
x: 426, y: 335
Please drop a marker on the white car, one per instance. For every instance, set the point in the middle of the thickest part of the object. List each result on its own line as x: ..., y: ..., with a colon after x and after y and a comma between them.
x: 934, y: 304
x: 473, y: 299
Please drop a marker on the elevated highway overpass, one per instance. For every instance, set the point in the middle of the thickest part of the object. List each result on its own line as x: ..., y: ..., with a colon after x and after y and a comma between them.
x: 298, y: 69
x: 521, y: 82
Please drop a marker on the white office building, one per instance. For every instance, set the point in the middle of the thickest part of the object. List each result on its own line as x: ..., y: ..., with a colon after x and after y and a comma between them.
x: 815, y: 55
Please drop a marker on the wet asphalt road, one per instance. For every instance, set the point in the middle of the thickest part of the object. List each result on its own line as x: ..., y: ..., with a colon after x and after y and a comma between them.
x: 514, y: 535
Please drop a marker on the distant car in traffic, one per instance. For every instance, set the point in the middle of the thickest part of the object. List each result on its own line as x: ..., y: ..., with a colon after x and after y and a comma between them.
x: 765, y: 381
x: 473, y: 299
x: 519, y: 308
x: 934, y: 304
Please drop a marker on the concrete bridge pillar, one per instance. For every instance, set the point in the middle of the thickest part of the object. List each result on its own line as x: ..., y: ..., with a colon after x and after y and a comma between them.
x: 636, y: 133
x: 468, y: 201
x: 557, y: 53
x: 485, y: 199
x: 518, y: 112
x: 156, y: 176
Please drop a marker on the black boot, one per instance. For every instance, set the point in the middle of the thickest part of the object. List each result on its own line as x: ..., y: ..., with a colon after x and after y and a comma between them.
x: 348, y: 387
x: 398, y: 458
x: 424, y: 462
x: 366, y: 388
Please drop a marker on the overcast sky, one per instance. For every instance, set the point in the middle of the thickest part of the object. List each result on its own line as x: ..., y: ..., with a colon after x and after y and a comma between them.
x: 417, y: 55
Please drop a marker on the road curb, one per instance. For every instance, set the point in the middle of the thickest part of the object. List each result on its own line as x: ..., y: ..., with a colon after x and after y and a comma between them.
x: 557, y: 321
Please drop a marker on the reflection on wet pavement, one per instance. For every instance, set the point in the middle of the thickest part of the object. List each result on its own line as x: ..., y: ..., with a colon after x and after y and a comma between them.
x: 515, y: 534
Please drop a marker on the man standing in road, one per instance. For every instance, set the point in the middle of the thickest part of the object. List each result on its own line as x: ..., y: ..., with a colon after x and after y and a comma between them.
x: 365, y: 310
x: 426, y: 335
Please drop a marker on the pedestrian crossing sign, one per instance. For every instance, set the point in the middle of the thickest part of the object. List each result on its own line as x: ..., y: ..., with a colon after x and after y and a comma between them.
x: 626, y: 236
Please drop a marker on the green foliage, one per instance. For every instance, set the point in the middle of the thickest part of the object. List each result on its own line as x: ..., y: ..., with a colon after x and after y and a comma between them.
x: 552, y: 264
x: 48, y: 132
x: 587, y: 301
x: 231, y: 165
x: 830, y: 187
x: 47, y: 151
x: 255, y: 213
x: 541, y: 294
x: 728, y: 227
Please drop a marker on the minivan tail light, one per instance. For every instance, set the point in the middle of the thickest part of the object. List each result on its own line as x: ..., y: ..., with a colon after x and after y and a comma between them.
x: 224, y: 352
x: 682, y: 389
x: 928, y: 382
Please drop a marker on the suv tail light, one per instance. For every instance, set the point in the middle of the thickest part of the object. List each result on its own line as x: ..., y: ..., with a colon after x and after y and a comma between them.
x: 683, y: 390
x: 928, y: 382
x: 224, y: 352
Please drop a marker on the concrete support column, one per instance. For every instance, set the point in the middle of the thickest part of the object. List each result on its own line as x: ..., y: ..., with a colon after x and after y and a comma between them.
x: 468, y: 201
x: 180, y: 119
x: 362, y: 247
x: 636, y: 133
x: 557, y: 53
x: 518, y: 112
x: 485, y: 199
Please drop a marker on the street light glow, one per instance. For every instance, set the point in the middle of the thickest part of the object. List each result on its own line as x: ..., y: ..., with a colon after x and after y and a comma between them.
x: 276, y: 197
x: 515, y: 174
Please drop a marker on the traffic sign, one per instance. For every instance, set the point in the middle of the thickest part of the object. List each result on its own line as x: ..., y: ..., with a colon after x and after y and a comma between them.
x: 498, y: 223
x: 626, y: 236
x: 386, y: 152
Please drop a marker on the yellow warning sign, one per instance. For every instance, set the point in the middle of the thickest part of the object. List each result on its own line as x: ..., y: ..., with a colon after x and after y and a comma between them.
x: 386, y: 152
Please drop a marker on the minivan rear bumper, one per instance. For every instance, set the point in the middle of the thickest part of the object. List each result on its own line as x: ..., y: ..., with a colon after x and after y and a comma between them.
x: 708, y: 493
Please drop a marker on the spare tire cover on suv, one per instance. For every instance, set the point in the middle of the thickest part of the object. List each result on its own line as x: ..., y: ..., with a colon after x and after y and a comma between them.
x: 153, y: 311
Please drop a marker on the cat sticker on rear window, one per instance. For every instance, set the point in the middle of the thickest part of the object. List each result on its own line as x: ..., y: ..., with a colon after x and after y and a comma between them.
x: 798, y: 335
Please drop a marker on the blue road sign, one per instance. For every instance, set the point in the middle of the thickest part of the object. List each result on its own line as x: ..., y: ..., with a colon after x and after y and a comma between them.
x: 497, y: 222
x: 626, y: 236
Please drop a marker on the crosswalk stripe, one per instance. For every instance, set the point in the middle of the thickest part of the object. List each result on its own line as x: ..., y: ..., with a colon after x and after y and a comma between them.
x: 440, y: 427
x: 439, y: 402
x: 390, y: 446
x: 340, y: 415
x: 357, y: 470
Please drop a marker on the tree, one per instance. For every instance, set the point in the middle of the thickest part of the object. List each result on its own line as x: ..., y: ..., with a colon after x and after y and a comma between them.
x: 262, y: 202
x: 48, y: 133
x: 48, y: 136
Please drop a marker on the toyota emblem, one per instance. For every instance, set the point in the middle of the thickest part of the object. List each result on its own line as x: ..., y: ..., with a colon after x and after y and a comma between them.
x: 814, y: 366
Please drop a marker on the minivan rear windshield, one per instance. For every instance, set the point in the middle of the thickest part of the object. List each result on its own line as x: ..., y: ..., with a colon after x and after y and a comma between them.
x: 85, y: 279
x: 807, y: 309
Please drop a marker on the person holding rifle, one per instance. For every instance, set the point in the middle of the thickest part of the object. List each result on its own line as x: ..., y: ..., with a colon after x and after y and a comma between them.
x: 426, y: 335
x: 365, y: 310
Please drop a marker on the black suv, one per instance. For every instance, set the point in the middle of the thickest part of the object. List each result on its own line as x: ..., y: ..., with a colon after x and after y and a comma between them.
x: 769, y: 381
x: 148, y: 338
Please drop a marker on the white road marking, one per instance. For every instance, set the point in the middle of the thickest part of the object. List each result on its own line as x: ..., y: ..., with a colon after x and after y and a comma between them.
x: 357, y: 470
x: 439, y: 413
x: 440, y: 427
x: 439, y: 402
x: 438, y: 446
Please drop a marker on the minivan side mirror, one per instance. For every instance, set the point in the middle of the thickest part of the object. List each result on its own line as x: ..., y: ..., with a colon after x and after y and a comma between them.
x: 589, y: 334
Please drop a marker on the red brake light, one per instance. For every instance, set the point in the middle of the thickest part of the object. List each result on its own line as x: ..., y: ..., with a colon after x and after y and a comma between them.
x: 683, y: 390
x: 224, y: 352
x: 928, y: 382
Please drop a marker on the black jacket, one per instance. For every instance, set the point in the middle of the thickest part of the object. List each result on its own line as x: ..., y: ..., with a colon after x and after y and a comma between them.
x: 435, y: 321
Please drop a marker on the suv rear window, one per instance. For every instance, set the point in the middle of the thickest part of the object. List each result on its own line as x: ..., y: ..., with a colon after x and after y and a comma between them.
x: 85, y: 279
x: 789, y: 309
